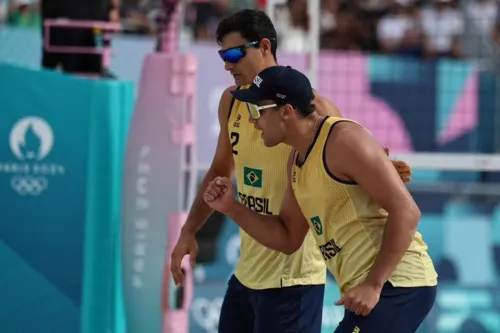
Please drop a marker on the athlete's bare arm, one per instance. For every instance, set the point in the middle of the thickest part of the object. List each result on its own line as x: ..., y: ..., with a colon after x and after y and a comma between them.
x: 222, y: 166
x: 284, y: 232
x: 364, y: 161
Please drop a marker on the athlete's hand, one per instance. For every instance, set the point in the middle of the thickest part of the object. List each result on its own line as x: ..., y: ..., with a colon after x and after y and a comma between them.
x: 361, y: 299
x: 219, y: 195
x: 186, y: 244
x: 402, y: 168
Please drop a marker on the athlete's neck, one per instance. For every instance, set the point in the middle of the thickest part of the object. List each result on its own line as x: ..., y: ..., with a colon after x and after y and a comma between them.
x: 302, y: 135
x: 269, y: 62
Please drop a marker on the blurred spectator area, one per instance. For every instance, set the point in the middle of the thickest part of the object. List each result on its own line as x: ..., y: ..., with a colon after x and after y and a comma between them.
x: 200, y: 17
x: 20, y: 13
x: 140, y: 16
x: 428, y: 29
x: 418, y: 28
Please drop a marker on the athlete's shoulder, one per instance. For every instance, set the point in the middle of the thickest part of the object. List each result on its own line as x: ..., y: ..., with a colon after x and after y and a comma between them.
x: 226, y: 103
x: 348, y: 134
x: 324, y: 106
x: 351, y: 141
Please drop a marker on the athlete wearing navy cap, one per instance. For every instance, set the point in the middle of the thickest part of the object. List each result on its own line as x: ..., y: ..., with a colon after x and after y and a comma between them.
x: 342, y: 189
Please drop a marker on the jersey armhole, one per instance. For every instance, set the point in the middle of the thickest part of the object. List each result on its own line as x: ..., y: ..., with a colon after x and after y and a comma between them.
x: 290, y: 167
x: 232, y: 104
x: 325, y: 166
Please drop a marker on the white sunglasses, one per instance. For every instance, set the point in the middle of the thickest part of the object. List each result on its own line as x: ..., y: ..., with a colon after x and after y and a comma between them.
x: 255, y: 109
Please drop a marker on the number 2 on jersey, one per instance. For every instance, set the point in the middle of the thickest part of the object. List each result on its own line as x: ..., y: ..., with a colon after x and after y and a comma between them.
x: 235, y: 138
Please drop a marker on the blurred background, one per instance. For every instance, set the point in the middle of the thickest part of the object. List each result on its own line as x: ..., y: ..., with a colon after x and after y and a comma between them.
x: 422, y: 75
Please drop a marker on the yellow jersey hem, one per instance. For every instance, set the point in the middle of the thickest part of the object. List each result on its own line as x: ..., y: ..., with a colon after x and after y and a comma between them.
x: 302, y: 282
x: 401, y: 284
x: 280, y: 283
x: 415, y: 283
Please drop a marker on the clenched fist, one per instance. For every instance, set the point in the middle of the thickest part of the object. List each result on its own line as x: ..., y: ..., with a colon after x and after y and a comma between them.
x: 219, y: 195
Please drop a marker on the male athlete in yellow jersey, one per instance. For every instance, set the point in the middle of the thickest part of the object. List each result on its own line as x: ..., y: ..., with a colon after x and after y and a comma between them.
x: 344, y: 189
x: 270, y: 291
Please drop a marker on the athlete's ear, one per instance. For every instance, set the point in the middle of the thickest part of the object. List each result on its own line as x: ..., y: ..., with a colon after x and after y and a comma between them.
x: 287, y: 112
x: 265, y: 45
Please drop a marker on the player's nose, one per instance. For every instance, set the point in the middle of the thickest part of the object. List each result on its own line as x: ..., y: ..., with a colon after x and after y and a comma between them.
x: 251, y: 119
x: 228, y: 66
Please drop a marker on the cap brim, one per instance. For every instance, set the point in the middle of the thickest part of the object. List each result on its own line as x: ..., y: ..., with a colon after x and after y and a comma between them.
x: 248, y: 95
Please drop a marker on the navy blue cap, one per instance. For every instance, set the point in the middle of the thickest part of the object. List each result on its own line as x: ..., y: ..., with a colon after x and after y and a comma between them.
x: 282, y: 84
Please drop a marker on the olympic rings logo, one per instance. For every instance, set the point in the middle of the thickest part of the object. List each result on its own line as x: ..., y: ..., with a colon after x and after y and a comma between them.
x: 206, y: 313
x: 28, y: 185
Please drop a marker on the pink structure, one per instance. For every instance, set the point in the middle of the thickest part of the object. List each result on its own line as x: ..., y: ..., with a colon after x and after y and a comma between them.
x: 161, y: 158
x: 175, y: 88
x: 107, y: 29
x: 177, y: 320
x: 163, y: 125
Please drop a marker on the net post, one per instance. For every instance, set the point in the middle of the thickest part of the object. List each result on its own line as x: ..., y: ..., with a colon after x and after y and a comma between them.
x: 270, y: 9
x: 314, y: 8
x: 170, y: 27
x: 451, y: 161
x: 496, y: 119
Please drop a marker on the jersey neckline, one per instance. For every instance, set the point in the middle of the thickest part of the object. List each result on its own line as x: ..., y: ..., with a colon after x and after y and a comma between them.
x: 298, y: 163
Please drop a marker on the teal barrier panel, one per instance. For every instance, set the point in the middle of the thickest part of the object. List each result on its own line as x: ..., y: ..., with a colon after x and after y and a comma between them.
x: 467, y: 242
x: 62, y: 142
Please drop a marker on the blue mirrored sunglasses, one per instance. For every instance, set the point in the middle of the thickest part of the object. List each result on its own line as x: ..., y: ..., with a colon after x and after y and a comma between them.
x: 235, y: 54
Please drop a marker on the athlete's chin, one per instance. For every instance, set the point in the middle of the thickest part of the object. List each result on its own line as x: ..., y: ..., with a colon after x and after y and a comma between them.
x: 239, y: 80
x: 268, y: 143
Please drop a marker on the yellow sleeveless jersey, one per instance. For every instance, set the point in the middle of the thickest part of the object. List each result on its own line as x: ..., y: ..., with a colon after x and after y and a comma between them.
x: 348, y: 225
x: 261, y: 180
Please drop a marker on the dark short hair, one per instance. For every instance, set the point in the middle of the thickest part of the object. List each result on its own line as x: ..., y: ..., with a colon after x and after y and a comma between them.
x: 304, y: 112
x: 253, y: 25
x: 307, y: 111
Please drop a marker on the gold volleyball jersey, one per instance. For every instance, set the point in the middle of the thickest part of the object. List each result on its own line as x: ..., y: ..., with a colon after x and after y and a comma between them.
x: 348, y: 225
x: 261, y: 180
